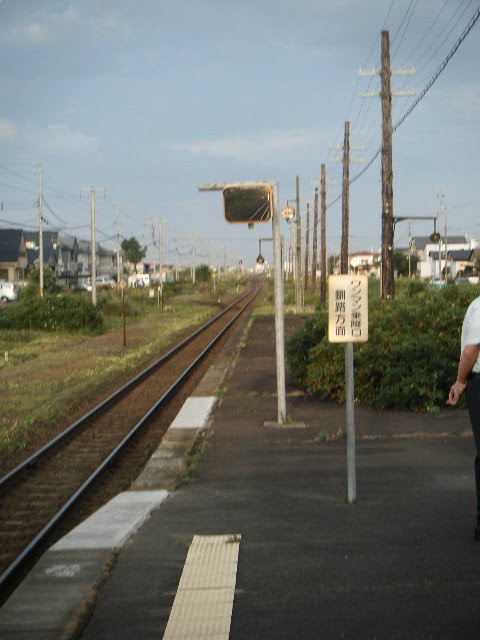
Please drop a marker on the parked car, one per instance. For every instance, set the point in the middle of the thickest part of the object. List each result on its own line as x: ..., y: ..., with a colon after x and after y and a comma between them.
x: 436, y: 282
x: 139, y: 280
x: 8, y: 291
x: 105, y: 283
x: 102, y: 283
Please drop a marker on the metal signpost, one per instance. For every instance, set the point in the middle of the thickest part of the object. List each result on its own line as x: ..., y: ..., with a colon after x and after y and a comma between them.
x: 348, y: 323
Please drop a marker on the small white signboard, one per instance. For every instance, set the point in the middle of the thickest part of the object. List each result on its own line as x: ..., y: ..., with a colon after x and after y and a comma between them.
x: 348, y: 308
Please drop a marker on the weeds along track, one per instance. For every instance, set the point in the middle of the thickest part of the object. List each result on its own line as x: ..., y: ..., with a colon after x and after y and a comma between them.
x: 103, y: 451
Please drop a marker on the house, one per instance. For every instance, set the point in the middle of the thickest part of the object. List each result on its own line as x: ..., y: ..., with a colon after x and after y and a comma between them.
x: 13, y: 255
x: 460, y: 251
x: 366, y: 263
x: 83, y: 257
x: 67, y: 253
x: 459, y: 262
x: 106, y: 261
x: 49, y: 240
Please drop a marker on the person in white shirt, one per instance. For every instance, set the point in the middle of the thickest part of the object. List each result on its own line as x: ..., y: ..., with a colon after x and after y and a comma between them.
x: 468, y: 380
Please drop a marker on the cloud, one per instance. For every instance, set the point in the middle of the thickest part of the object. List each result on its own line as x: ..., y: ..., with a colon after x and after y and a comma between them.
x: 36, y: 33
x: 246, y: 147
x: 7, y: 128
x: 46, y: 28
x: 59, y: 139
x: 467, y: 102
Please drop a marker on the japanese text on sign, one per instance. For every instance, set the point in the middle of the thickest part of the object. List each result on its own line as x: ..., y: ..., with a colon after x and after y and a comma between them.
x: 348, y: 308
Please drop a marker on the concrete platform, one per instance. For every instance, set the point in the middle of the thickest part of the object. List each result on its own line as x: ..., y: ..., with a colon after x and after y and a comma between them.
x: 399, y: 563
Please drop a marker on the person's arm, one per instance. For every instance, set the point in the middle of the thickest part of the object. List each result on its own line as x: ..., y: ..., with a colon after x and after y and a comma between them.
x: 467, y: 360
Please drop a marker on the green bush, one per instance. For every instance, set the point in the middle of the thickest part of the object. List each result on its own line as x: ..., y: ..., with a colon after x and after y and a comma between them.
x: 298, y: 347
x: 32, y: 290
x: 203, y: 273
x: 410, y: 360
x: 53, y: 313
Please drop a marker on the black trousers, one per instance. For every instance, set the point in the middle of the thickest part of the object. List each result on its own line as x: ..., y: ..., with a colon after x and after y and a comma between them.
x: 472, y: 392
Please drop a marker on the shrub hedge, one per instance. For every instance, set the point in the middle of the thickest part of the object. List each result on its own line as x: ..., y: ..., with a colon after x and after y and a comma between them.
x: 410, y: 360
x: 53, y: 313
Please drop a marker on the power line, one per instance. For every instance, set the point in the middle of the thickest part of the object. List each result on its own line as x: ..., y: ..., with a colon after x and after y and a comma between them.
x: 52, y: 211
x: 332, y: 173
x: 452, y: 52
x: 404, y: 64
x: 406, y: 26
x: 401, y: 23
x: 450, y: 55
x: 447, y: 36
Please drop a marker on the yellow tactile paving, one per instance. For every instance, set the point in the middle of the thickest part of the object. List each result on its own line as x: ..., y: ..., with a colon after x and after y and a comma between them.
x: 202, y: 609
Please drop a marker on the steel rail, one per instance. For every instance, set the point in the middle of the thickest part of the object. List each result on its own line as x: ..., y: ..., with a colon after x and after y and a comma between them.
x: 22, y: 557
x: 117, y: 393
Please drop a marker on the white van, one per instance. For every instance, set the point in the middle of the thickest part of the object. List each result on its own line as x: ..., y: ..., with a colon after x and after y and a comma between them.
x: 8, y: 291
x: 102, y: 282
x: 139, y: 280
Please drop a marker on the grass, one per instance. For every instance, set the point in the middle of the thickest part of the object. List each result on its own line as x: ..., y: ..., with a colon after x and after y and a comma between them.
x: 47, y: 377
x: 190, y: 469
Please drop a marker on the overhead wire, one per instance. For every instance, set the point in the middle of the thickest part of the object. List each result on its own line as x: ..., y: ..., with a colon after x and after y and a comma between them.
x: 332, y: 173
x: 440, y: 69
x: 52, y: 211
x: 425, y: 34
x: 401, y: 23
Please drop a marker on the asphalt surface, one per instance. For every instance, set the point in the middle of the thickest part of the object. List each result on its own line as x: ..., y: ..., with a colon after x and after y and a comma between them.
x: 399, y: 563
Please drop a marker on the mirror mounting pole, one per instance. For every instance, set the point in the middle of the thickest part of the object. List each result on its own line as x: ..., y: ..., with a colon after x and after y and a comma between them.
x: 279, y: 310
x: 278, y: 289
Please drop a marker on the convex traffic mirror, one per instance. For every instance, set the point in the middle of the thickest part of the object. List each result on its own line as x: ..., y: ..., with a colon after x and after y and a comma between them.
x: 247, y: 203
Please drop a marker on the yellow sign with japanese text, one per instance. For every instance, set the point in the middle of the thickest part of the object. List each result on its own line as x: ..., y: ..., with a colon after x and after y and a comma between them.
x: 348, y: 308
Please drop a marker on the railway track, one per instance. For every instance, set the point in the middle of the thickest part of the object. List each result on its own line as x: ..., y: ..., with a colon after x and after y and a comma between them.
x: 39, y: 494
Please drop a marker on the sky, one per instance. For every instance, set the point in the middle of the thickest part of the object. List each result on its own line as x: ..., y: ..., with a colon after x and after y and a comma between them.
x: 147, y: 99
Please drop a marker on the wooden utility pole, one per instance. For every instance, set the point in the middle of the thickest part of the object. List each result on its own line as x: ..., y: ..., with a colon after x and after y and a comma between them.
x: 93, y: 249
x: 117, y: 224
x: 291, y: 254
x: 152, y: 223
x: 410, y: 246
x: 323, y: 241
x: 40, y: 225
x: 387, y: 278
x: 315, y: 235
x: 307, y: 244
x: 176, y: 252
x: 298, y: 254
x: 192, y: 255
x: 388, y: 283
x: 345, y: 197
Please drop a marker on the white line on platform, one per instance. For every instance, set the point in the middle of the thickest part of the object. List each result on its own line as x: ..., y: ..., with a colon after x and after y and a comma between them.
x: 194, y: 413
x: 114, y: 523
x: 202, y: 609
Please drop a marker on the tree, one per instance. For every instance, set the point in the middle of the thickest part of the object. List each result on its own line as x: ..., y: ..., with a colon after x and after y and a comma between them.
x: 400, y: 263
x: 203, y: 273
x: 32, y: 289
x: 133, y: 252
